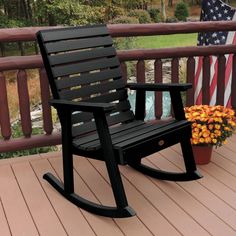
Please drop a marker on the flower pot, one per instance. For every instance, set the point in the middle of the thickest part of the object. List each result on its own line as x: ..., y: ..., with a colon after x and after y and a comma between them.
x: 202, y: 154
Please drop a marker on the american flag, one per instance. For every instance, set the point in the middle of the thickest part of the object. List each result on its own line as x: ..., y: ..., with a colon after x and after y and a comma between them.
x: 215, y: 10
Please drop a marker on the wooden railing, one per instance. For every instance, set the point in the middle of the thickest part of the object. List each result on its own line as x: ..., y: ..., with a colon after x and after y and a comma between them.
x: 22, y: 63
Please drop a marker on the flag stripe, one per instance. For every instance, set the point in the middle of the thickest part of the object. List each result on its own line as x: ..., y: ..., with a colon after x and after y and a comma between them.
x: 215, y: 10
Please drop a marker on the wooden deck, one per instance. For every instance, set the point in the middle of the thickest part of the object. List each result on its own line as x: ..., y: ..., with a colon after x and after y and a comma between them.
x: 30, y: 206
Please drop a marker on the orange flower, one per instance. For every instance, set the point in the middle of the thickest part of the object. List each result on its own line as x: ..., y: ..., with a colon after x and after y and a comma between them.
x: 211, y: 125
x: 206, y: 133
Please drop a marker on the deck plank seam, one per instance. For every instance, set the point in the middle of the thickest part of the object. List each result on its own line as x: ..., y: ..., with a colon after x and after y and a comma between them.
x: 97, y: 199
x: 223, y: 220
x: 49, y: 200
x: 203, y: 204
x: 200, y: 168
x: 48, y: 159
x: 23, y: 196
x: 225, y: 170
x: 179, y: 205
x: 198, y: 181
x: 219, y: 180
x: 5, y: 215
x: 18, y: 159
x: 154, y: 206
x: 90, y: 225
x: 224, y: 157
x: 95, y: 194
x: 208, y: 189
x: 143, y: 197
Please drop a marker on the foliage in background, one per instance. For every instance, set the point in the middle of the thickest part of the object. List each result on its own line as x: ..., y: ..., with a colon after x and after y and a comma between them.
x: 181, y: 11
x: 18, y: 13
x: 126, y: 42
x: 142, y: 16
x: 154, y: 14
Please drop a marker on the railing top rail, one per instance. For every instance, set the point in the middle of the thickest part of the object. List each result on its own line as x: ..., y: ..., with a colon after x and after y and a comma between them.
x: 127, y: 30
x: 124, y: 30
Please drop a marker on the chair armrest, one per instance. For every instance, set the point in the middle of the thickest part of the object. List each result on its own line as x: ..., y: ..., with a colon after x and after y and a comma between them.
x: 159, y: 87
x: 82, y: 106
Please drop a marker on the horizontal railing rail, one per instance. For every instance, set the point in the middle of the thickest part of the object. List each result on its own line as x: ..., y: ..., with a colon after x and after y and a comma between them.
x: 22, y: 63
x: 129, y: 30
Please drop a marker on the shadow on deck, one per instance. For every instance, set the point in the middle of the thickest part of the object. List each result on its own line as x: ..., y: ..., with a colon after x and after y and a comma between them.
x: 30, y: 206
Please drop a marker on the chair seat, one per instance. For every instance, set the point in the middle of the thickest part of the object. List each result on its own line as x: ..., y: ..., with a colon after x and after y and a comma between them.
x: 136, y: 139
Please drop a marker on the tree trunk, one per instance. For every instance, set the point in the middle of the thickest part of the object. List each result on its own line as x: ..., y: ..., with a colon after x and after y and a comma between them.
x: 51, y: 18
x: 29, y: 8
x: 24, y: 10
x: 163, y: 10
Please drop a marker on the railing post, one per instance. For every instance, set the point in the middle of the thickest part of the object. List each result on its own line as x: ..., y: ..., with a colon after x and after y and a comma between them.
x: 174, y: 75
x: 233, y: 84
x: 190, y: 79
x: 24, y: 104
x: 45, y: 95
x: 124, y: 71
x: 175, y: 70
x: 4, y: 110
x: 220, y: 80
x: 140, y: 71
x: 206, y: 80
x: 158, y: 95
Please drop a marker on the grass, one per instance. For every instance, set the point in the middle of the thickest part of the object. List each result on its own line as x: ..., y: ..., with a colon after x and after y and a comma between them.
x: 165, y: 41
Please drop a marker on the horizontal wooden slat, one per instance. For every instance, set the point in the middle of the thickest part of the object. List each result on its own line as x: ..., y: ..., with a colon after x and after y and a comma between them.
x: 93, y: 89
x: 85, y: 66
x: 109, y: 97
x: 86, y: 116
x: 65, y: 33
x: 88, y: 78
x: 76, y: 56
x: 112, y: 120
x: 113, y: 131
x: 128, y: 136
x: 144, y: 136
x: 69, y: 45
x: 125, y: 134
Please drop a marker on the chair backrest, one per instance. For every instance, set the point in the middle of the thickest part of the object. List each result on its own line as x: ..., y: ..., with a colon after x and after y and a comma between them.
x: 82, y: 65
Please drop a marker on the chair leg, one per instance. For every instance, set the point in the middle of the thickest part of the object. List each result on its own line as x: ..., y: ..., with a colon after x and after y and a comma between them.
x: 188, y: 156
x: 67, y: 190
x: 111, y: 163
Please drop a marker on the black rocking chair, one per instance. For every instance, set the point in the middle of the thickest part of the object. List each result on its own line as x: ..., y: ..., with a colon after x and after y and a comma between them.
x: 96, y: 118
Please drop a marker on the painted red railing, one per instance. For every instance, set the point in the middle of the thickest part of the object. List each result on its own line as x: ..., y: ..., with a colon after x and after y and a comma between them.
x: 22, y: 63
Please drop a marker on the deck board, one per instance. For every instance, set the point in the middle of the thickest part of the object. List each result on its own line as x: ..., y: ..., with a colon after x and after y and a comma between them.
x: 30, y: 206
x: 14, y: 203
x: 100, y: 225
x: 4, y: 226
x: 68, y: 213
